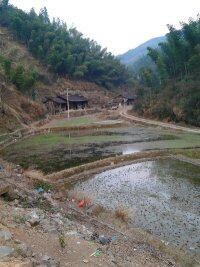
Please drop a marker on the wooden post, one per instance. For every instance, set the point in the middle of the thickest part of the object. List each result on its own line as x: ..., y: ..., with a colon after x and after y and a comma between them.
x: 68, y: 103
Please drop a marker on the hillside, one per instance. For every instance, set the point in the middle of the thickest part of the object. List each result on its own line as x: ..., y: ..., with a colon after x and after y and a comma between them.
x: 17, y: 106
x: 172, y: 92
x: 63, y: 49
x: 132, y: 56
x: 39, y: 58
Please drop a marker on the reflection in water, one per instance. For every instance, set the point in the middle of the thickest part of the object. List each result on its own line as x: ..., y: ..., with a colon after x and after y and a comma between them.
x: 162, y: 196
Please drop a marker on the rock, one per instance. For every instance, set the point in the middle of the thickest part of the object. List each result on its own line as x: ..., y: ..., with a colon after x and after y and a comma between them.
x: 4, y: 188
x: 60, y: 196
x: 24, y: 250
x: 104, y: 240
x: 5, y: 251
x: 17, y: 241
x: 94, y: 236
x: 46, y: 258
x: 28, y: 224
x: 1, y: 168
x: 39, y: 190
x: 48, y: 262
x: 33, y: 219
x: 16, y: 202
x: 5, y: 235
x: 85, y: 233
x: 34, y: 222
x: 14, y: 195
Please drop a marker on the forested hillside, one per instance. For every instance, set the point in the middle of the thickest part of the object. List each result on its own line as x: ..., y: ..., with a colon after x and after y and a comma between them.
x: 64, y: 50
x: 24, y: 82
x: 173, y: 91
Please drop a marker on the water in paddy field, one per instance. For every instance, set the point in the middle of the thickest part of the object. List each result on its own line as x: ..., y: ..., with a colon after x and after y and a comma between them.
x: 162, y: 196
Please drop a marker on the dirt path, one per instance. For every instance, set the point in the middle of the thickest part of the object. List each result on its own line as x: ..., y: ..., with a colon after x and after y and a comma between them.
x: 123, y: 114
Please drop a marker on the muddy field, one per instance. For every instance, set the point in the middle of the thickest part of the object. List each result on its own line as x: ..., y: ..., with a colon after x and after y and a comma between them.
x: 161, y: 196
x: 58, y: 151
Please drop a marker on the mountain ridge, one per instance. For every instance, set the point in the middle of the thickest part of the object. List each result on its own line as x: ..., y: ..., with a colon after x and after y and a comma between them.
x: 133, y: 55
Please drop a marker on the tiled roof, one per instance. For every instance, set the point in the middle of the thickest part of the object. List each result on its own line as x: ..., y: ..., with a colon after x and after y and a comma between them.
x: 74, y: 98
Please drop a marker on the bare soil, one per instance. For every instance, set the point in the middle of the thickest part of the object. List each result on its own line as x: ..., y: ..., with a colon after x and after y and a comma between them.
x: 63, y: 235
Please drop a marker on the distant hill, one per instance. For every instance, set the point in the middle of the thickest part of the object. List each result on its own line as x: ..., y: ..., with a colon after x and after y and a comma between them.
x: 138, y: 54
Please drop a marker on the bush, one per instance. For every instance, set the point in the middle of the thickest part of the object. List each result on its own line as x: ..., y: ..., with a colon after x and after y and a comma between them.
x: 122, y: 214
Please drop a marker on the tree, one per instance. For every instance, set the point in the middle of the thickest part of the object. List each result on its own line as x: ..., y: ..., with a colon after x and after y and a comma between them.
x: 4, y: 3
x: 7, y: 67
x: 43, y: 15
x: 18, y: 77
x: 63, y: 49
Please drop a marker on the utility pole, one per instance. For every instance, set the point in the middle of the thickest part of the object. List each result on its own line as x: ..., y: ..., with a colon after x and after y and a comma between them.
x: 68, y: 103
x: 2, y: 111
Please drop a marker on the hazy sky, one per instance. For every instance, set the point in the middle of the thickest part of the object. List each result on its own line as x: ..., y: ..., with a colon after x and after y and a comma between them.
x: 118, y: 25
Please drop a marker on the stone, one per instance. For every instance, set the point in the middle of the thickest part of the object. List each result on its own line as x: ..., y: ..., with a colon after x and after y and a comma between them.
x: 104, y: 240
x: 24, y: 250
x: 16, y: 202
x: 17, y: 241
x: 94, y: 236
x: 1, y: 168
x: 33, y: 219
x: 46, y: 258
x: 28, y: 224
x: 5, y: 235
x: 14, y: 195
x: 34, y: 222
x: 49, y: 262
x: 5, y: 251
x: 4, y: 188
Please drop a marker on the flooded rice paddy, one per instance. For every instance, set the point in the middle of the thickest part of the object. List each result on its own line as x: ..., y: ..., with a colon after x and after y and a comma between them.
x: 58, y: 151
x: 162, y: 197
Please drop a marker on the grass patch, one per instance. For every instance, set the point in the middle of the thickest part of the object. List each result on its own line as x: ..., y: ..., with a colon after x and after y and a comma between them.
x: 168, y: 137
x: 71, y: 122
x: 19, y: 219
x: 52, y: 140
x: 190, y: 153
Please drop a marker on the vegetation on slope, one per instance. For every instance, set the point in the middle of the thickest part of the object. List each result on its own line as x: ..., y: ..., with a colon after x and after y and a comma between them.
x: 22, y: 79
x: 173, y: 90
x: 63, y: 49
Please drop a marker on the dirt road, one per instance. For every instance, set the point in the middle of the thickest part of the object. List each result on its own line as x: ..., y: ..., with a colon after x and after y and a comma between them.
x: 123, y: 113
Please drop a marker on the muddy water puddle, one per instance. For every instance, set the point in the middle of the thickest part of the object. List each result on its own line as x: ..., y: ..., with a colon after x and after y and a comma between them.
x: 162, y: 197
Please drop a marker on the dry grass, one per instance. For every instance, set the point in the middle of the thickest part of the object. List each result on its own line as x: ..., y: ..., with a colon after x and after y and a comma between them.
x: 122, y: 214
x: 34, y: 175
x: 9, y: 168
x: 97, y: 209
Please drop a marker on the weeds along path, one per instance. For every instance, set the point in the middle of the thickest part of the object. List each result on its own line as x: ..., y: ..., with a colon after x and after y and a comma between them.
x: 123, y: 113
